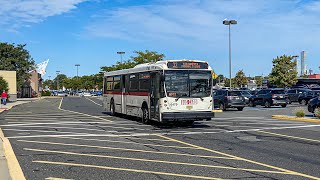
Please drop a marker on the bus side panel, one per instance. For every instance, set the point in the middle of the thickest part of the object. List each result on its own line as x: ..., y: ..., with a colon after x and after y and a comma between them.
x: 106, y: 102
x: 134, y: 104
x: 117, y: 102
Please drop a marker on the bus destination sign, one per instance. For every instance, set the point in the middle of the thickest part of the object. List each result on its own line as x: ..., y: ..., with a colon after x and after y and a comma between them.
x: 187, y: 65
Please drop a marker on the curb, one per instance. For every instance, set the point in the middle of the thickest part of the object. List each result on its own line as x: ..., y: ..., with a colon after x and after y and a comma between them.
x: 14, y: 168
x: 290, y: 118
x: 217, y: 110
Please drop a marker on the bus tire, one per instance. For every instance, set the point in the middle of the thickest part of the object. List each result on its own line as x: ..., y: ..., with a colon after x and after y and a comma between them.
x: 112, y: 109
x: 145, y: 115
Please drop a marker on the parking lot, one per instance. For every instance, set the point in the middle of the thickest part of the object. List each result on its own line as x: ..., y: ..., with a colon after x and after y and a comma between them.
x: 73, y: 136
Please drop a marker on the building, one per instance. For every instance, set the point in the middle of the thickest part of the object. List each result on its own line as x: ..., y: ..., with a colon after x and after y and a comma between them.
x: 32, y: 87
x: 312, y: 79
x: 11, y: 78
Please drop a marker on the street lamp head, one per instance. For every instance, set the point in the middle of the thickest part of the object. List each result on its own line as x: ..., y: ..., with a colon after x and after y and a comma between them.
x: 229, y: 22
x: 226, y: 22
x: 121, y: 52
x: 77, y: 64
x: 233, y: 22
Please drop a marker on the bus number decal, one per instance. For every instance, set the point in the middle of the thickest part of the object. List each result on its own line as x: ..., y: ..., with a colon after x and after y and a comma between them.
x: 189, y: 101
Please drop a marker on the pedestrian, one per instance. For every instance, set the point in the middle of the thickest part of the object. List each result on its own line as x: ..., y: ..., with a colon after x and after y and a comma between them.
x: 4, y: 97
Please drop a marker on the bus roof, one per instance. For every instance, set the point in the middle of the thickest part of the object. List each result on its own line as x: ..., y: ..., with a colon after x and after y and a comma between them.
x: 161, y: 65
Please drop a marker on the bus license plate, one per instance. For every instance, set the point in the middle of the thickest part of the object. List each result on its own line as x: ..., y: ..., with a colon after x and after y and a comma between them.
x: 189, y: 102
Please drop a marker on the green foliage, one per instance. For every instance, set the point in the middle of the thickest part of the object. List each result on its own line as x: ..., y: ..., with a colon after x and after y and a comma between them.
x: 317, y: 112
x: 59, y: 80
x: 49, y: 83
x: 300, y: 112
x: 240, y: 79
x: 283, y: 73
x: 16, y: 58
x: 3, y: 85
x: 142, y: 57
x: 259, y: 80
x: 45, y: 93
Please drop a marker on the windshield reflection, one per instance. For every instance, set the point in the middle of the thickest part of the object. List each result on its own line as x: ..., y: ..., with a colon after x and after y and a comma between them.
x: 184, y: 83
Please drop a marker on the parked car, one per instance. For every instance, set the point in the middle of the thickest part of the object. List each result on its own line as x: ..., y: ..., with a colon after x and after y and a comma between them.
x: 229, y: 99
x: 246, y: 94
x: 293, y: 94
x: 305, y: 97
x: 85, y: 94
x: 62, y: 94
x: 269, y: 97
x: 313, y: 104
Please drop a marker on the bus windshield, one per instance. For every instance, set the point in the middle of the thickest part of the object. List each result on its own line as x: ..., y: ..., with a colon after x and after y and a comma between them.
x: 188, y: 83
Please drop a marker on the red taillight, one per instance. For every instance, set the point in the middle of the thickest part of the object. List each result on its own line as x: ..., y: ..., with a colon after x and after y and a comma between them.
x: 227, y: 97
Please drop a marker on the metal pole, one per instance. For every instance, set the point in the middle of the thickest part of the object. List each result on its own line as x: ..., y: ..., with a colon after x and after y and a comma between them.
x: 230, y: 55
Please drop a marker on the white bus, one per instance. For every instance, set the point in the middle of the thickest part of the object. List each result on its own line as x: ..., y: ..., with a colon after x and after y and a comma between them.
x: 170, y: 90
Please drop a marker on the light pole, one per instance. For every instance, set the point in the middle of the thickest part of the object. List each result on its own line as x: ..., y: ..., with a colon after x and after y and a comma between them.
x: 49, y: 77
x: 229, y: 23
x: 121, y: 52
x: 57, y: 79
x: 77, y: 65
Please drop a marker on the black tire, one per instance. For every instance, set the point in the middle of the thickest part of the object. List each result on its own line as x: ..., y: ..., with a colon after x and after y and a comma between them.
x: 112, y: 109
x: 222, y: 107
x: 145, y: 116
x: 290, y: 102
x: 267, y: 104
x: 283, y: 105
x: 251, y: 104
x: 240, y: 108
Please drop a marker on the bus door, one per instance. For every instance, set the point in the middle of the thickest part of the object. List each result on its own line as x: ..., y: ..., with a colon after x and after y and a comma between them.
x: 154, y: 95
x: 123, y: 95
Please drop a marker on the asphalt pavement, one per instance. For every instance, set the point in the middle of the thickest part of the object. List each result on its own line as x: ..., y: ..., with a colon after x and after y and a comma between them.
x: 72, y: 138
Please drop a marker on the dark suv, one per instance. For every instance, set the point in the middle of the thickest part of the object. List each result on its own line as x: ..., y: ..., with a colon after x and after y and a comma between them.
x: 293, y: 94
x: 269, y: 97
x: 313, y: 104
x: 305, y: 97
x: 229, y: 99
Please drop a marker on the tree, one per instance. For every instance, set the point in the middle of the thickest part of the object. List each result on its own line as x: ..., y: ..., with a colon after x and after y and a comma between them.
x: 283, y: 73
x: 259, y: 80
x: 142, y: 57
x: 3, y: 85
x: 240, y: 79
x: 16, y: 58
x: 59, y: 81
x: 220, y: 78
x: 49, y: 84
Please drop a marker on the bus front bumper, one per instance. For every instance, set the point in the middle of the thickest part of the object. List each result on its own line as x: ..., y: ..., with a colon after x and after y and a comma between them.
x: 186, y: 116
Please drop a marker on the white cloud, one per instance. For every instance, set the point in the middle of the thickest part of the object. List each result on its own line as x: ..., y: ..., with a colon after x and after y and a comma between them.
x: 18, y: 13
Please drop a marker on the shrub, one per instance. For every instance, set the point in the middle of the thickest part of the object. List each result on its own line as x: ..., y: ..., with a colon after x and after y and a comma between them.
x: 45, y: 93
x: 317, y: 112
x: 299, y: 112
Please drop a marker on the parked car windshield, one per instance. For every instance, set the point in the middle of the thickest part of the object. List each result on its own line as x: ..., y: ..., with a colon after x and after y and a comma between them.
x: 234, y: 93
x: 245, y: 93
x: 277, y: 92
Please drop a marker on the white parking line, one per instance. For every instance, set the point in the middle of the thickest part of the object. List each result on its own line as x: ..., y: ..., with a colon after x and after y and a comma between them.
x: 169, y: 133
x: 94, y: 102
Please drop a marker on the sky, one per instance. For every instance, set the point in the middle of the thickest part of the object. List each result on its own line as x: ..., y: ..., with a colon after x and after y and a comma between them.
x: 91, y: 32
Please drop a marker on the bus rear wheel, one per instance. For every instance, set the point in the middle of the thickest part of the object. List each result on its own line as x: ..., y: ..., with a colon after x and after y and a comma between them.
x: 145, y: 116
x: 112, y: 109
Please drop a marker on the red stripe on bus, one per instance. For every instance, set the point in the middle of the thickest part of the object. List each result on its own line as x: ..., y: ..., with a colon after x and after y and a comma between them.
x: 130, y: 93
